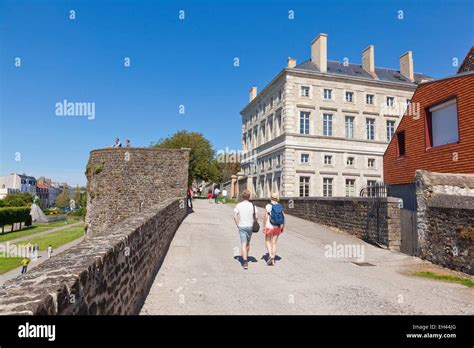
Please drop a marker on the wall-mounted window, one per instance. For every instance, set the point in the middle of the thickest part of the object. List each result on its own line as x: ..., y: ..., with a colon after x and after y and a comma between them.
x: 442, y: 124
x: 371, y: 162
x: 390, y: 129
x: 350, y: 161
x: 304, y: 122
x: 390, y: 101
x: 369, y: 99
x: 305, y: 158
x: 350, y: 97
x: 304, y: 91
x: 401, y: 143
x: 370, y: 128
x: 304, y: 186
x: 327, y: 125
x: 349, y: 127
x: 328, y: 160
x: 350, y: 187
x: 327, y: 94
x: 327, y: 187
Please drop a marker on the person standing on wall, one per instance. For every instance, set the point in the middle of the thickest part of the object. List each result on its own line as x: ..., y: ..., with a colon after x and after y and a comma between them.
x: 274, y: 221
x: 245, y: 215
x: 224, y: 195
x: 50, y: 251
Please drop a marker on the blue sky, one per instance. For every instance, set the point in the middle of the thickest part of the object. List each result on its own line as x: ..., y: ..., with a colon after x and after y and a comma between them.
x: 183, y: 62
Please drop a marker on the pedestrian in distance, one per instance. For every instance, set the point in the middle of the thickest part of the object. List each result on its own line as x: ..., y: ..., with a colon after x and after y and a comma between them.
x: 190, y: 198
x: 24, y: 265
x: 127, y: 143
x: 209, y: 196
x: 216, y: 195
x: 245, y: 216
x: 50, y: 251
x: 274, y: 222
x: 224, y: 195
x: 117, y: 143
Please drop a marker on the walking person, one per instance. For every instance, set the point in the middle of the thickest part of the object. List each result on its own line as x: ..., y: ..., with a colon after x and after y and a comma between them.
x: 50, y: 251
x: 209, y: 196
x: 24, y: 265
x: 224, y: 195
x: 190, y: 198
x: 274, y: 221
x: 127, y: 143
x: 35, y: 251
x: 245, y: 214
x: 216, y: 195
x: 117, y: 143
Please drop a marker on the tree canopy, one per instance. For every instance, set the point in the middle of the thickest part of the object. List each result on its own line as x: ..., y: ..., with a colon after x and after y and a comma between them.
x: 202, y: 163
x: 62, y: 201
x: 22, y: 199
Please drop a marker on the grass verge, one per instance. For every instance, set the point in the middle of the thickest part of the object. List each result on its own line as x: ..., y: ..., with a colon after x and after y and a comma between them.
x: 447, y: 278
x: 56, y: 239
x: 7, y: 263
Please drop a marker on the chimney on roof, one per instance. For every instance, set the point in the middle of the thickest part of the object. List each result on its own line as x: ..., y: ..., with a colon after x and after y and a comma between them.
x: 252, y: 93
x: 319, y: 52
x: 291, y: 62
x: 368, y: 60
x: 406, y: 65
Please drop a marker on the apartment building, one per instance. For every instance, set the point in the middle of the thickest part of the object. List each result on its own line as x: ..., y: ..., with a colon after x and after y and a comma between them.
x: 321, y: 128
x: 16, y: 183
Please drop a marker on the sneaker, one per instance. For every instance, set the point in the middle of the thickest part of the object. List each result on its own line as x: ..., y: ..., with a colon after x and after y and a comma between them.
x: 269, y: 261
x: 245, y: 265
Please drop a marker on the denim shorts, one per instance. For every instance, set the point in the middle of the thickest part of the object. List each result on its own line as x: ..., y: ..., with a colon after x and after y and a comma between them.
x: 245, y: 234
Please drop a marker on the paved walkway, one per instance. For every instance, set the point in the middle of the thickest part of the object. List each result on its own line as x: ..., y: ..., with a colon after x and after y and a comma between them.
x: 200, y: 275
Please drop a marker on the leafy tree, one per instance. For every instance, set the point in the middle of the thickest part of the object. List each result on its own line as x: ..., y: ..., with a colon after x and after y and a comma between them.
x: 229, y: 164
x: 23, y: 199
x: 62, y: 201
x: 202, y: 164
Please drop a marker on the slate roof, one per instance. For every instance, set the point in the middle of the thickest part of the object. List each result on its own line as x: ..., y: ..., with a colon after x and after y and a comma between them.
x: 355, y: 70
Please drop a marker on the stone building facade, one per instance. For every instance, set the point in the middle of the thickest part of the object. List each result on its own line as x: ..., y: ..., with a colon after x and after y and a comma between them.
x: 320, y: 128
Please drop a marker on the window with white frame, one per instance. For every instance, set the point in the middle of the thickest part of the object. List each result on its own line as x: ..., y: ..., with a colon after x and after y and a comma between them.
x: 390, y: 101
x: 370, y: 128
x: 327, y: 160
x: 371, y: 162
x: 304, y: 122
x: 327, y: 125
x: 349, y: 96
x: 271, y: 102
x: 349, y: 127
x: 371, y: 187
x: 350, y: 187
x: 304, y: 186
x: 350, y: 161
x: 327, y: 187
x: 305, y: 91
x: 369, y: 99
x: 327, y: 94
x: 390, y: 129
x: 305, y: 158
x: 443, y: 124
x: 278, y: 159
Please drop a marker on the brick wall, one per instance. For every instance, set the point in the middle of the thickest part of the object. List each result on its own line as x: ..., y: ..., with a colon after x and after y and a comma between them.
x: 451, y: 158
x: 123, y: 181
x: 445, y: 219
x: 373, y: 220
x: 105, y: 274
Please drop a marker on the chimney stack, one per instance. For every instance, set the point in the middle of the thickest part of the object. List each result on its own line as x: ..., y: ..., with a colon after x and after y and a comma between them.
x: 252, y: 93
x: 368, y: 60
x: 291, y: 62
x: 406, y: 65
x: 319, y: 52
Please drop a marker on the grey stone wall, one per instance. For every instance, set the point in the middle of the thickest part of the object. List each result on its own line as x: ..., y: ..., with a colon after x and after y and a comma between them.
x: 445, y: 219
x: 105, y: 274
x: 124, y: 181
x: 374, y: 220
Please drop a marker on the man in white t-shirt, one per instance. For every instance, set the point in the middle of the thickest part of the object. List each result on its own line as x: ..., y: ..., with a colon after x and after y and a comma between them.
x: 243, y: 217
x: 216, y: 195
x: 224, y: 195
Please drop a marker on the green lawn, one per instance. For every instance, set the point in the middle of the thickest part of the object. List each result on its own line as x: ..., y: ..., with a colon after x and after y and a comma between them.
x: 56, y: 239
x: 35, y: 228
x: 447, y: 278
x: 9, y: 263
